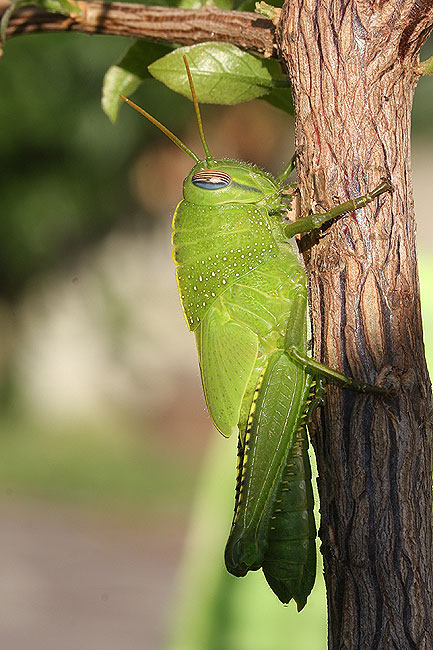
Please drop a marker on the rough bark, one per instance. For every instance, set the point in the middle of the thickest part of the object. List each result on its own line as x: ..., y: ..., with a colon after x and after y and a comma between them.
x: 353, y: 66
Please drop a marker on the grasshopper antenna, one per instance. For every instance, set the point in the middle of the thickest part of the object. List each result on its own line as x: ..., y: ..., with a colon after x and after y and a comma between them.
x: 163, y: 128
x: 209, y: 158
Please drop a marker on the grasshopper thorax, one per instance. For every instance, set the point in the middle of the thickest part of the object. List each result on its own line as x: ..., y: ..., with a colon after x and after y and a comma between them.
x: 227, y: 181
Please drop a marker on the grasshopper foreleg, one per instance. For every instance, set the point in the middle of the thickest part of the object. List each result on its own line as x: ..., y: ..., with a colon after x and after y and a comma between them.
x: 313, y: 221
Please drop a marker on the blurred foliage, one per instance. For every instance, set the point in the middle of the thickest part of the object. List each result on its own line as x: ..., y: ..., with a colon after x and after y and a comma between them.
x: 422, y: 113
x: 58, y: 150
x: 89, y: 464
x: 426, y: 283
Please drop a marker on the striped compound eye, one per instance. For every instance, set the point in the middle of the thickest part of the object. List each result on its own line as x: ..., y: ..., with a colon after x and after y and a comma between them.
x: 211, y: 179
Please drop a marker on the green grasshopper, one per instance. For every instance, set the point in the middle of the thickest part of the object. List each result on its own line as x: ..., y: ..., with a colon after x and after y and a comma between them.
x: 243, y: 291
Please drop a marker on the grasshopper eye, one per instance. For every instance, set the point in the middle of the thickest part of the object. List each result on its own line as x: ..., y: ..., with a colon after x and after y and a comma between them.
x: 211, y: 179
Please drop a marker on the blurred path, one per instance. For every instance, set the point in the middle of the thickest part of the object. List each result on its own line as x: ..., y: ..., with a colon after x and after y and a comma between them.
x: 77, y: 580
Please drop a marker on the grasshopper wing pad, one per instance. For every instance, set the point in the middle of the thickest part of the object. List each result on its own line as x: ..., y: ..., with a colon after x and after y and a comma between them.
x: 227, y: 354
x: 213, y: 247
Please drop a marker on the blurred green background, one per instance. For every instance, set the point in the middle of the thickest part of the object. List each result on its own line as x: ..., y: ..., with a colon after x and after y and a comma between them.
x: 104, y: 436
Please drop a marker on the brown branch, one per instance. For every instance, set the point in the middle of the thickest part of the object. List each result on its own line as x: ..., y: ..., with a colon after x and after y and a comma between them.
x: 166, y: 24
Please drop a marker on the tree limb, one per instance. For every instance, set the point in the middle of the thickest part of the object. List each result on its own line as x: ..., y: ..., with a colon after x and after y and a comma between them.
x: 184, y: 26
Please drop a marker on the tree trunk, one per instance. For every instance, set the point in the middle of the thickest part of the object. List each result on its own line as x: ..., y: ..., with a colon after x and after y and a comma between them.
x: 354, y: 67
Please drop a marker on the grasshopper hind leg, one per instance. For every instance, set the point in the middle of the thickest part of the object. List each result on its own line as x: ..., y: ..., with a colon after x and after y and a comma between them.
x: 328, y: 374
x: 289, y: 565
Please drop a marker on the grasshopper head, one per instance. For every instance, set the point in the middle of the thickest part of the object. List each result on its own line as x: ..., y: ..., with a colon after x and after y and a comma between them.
x: 227, y: 181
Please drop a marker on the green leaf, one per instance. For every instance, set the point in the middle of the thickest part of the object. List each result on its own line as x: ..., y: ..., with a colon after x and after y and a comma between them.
x: 128, y: 74
x: 222, y: 73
